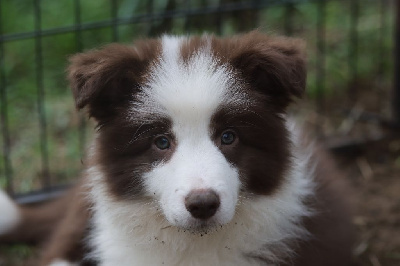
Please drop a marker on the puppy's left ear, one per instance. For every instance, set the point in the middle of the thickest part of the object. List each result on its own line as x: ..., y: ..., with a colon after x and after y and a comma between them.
x: 274, y: 66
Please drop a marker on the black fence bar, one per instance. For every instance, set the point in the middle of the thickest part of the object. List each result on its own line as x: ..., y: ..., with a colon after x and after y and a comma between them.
x: 289, y: 13
x: 219, y: 20
x: 255, y: 7
x: 41, y: 97
x: 187, y: 25
x: 41, y: 196
x: 114, y: 19
x: 320, y: 56
x: 353, y: 55
x: 165, y: 23
x: 79, y: 48
x: 396, y: 90
x: 149, y: 9
x: 4, y: 117
x: 78, y: 25
x: 382, y: 32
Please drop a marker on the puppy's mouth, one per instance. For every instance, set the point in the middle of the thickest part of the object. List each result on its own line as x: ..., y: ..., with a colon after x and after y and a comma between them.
x: 196, y: 226
x: 201, y: 228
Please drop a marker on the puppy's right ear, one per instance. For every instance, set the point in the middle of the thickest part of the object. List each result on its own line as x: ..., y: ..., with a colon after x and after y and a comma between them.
x: 105, y: 80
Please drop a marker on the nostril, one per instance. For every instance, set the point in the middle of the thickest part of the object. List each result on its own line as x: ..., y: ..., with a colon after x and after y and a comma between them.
x: 202, y: 203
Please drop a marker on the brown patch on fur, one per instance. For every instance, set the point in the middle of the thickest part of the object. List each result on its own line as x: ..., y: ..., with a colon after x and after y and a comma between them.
x: 261, y: 153
x: 125, y: 151
x: 105, y: 80
x: 271, y: 70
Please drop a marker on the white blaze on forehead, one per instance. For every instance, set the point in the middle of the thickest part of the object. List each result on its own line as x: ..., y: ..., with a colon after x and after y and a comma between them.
x: 191, y: 90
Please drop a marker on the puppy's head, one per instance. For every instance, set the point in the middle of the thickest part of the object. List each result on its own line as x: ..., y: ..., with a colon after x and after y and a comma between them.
x: 191, y: 123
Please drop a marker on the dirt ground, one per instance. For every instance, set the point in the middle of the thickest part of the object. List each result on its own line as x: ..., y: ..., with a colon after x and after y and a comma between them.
x: 375, y: 176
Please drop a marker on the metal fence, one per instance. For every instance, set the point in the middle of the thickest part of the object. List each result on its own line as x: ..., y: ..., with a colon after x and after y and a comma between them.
x: 43, y: 139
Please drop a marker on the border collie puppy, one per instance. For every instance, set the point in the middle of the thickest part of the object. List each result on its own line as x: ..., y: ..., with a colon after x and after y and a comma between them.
x: 194, y: 162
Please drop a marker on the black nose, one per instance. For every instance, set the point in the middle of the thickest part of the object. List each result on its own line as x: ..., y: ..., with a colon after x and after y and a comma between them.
x: 202, y: 203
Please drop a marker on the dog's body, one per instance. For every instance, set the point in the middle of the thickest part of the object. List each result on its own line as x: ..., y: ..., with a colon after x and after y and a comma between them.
x: 194, y: 163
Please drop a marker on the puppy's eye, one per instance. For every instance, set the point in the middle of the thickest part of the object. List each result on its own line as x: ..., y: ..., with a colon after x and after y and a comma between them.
x: 228, y: 137
x: 162, y: 143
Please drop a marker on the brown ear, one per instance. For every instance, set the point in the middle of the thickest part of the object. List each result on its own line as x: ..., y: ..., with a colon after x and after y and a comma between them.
x: 106, y: 79
x: 273, y: 66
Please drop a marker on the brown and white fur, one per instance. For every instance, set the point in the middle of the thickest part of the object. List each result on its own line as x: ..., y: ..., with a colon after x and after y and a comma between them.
x: 195, y: 161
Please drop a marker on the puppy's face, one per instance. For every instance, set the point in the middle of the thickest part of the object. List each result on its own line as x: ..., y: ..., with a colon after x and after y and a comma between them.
x: 191, y: 123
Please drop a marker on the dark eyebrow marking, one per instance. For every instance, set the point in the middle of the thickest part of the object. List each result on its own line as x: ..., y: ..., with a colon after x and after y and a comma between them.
x: 152, y: 127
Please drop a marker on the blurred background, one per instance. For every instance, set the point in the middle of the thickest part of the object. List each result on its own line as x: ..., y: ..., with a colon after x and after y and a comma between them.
x: 352, y: 103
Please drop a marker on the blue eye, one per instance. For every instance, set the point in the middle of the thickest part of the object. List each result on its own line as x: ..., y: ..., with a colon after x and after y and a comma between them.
x: 227, y: 138
x: 162, y: 143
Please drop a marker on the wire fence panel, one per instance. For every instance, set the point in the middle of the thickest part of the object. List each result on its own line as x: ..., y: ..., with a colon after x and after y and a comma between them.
x: 6, y: 172
x: 43, y: 138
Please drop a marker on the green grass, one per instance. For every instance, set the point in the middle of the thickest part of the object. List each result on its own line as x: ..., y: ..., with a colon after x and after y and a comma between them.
x: 16, y: 254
